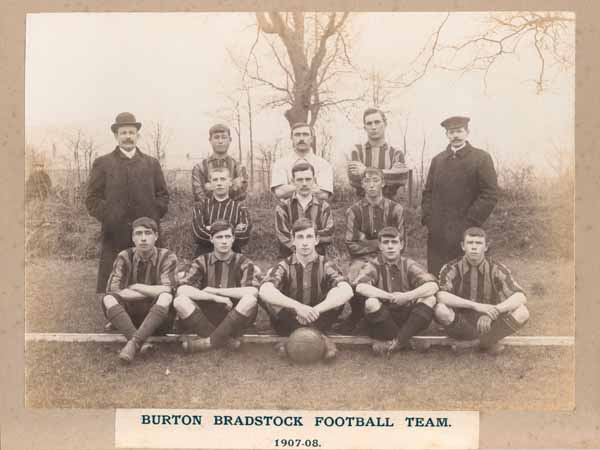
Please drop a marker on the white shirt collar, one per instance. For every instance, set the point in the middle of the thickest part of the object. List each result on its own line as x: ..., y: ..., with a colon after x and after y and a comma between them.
x: 129, y: 154
x: 455, y: 149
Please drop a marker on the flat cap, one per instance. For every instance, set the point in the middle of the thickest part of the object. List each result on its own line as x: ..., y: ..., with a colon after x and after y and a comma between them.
x: 455, y: 122
x: 125, y: 118
x: 218, y: 128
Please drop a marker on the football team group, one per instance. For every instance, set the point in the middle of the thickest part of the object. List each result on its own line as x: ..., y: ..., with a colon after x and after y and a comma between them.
x: 216, y: 297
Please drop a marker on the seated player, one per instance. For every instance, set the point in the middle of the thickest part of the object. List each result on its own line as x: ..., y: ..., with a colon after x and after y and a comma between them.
x: 305, y: 289
x: 219, y: 206
x: 303, y: 203
x: 400, y: 295
x: 216, y: 298
x: 139, y: 289
x: 364, y: 220
x: 478, y: 297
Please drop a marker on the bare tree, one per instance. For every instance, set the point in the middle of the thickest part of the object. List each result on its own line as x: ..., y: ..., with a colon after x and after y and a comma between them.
x: 74, y: 142
x: 156, y: 141
x: 549, y: 36
x: 311, y: 51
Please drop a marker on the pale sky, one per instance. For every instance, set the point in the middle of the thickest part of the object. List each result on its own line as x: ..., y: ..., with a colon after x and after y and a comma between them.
x: 82, y: 69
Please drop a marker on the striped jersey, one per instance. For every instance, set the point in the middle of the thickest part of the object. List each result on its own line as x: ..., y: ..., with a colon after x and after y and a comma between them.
x: 387, y: 158
x: 306, y: 284
x: 402, y: 275
x: 290, y: 210
x: 364, y: 221
x: 129, y: 268
x: 208, y: 270
x: 201, y: 171
x: 490, y: 282
x: 208, y: 210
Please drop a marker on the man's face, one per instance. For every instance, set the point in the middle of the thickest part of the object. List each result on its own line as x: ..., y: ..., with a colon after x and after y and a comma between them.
x: 306, y: 241
x: 474, y: 248
x: 375, y: 126
x: 127, y: 136
x: 373, y: 185
x: 220, y: 142
x: 302, y: 139
x: 223, y: 240
x: 390, y: 247
x: 144, y: 238
x: 457, y: 136
x: 221, y: 182
x: 304, y: 181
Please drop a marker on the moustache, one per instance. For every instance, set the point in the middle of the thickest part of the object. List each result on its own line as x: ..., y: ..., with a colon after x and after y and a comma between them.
x: 127, y: 141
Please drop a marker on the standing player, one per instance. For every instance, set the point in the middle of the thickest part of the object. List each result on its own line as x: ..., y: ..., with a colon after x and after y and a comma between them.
x: 305, y: 289
x: 377, y: 153
x: 399, y: 295
x: 303, y: 203
x: 364, y: 220
x: 478, y: 297
x: 219, y: 136
x: 219, y: 206
x: 216, y: 298
x: 139, y: 291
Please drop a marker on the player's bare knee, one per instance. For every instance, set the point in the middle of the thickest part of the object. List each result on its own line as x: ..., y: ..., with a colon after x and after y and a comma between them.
x: 429, y: 301
x: 165, y: 299
x: 109, y: 301
x: 372, y: 305
x: 443, y: 314
x: 182, y: 303
x: 247, y: 304
x: 521, y: 314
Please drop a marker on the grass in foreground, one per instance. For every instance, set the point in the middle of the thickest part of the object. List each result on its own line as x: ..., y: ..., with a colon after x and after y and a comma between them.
x: 60, y: 375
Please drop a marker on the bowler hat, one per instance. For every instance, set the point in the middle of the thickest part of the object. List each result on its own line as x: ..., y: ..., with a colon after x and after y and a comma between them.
x: 125, y: 118
x: 455, y: 122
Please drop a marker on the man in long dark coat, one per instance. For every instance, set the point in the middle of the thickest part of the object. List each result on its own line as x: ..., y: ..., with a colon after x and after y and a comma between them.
x: 460, y: 192
x: 124, y: 185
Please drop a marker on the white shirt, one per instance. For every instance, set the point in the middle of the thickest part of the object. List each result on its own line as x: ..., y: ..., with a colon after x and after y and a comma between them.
x: 455, y: 149
x: 129, y: 154
x: 281, y: 173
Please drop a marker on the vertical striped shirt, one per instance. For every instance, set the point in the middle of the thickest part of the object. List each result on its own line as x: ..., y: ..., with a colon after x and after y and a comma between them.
x: 236, y: 271
x: 401, y: 276
x: 290, y: 210
x: 306, y: 284
x: 490, y: 282
x: 362, y: 217
x: 201, y: 171
x: 386, y: 158
x: 208, y: 210
x: 129, y: 268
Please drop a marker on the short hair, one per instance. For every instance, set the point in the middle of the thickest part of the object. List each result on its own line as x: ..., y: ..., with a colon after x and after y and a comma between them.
x: 389, y: 232
x: 218, y: 169
x: 302, y: 224
x: 219, y: 225
x: 300, y: 125
x: 218, y: 128
x: 370, y: 111
x: 372, y: 171
x: 145, y: 222
x: 302, y: 166
x: 475, y: 231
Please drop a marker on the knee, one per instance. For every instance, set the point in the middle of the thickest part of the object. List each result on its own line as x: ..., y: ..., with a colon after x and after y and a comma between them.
x: 109, y: 301
x: 181, y: 303
x: 443, y: 314
x: 247, y: 304
x: 429, y: 301
x: 521, y: 314
x: 372, y: 305
x: 165, y: 299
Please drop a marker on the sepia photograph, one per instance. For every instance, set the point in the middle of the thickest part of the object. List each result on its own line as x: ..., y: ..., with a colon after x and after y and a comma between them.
x: 300, y: 210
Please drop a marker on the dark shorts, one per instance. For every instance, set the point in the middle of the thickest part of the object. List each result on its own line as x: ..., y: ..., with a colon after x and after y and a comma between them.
x: 464, y: 326
x: 285, y: 321
x: 398, y: 314
x: 216, y: 312
x: 138, y: 310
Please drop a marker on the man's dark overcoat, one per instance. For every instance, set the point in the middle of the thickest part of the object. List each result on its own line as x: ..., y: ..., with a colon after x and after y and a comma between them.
x: 460, y: 192
x: 119, y: 191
